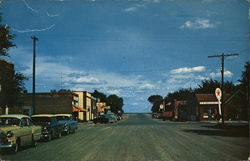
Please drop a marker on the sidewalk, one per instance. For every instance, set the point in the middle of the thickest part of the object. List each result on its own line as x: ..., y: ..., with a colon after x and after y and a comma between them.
x: 240, y: 122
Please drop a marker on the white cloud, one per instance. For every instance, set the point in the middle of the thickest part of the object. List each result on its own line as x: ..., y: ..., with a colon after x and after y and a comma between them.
x: 134, y: 8
x: 227, y: 74
x: 199, y: 23
x: 147, y: 86
x: 115, y: 91
x: 85, y: 80
x: 130, y: 9
x: 52, y: 15
x: 34, y: 30
x: 28, y: 6
x: 188, y: 70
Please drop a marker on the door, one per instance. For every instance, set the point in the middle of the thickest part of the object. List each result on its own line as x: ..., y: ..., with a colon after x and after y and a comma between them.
x: 25, y: 132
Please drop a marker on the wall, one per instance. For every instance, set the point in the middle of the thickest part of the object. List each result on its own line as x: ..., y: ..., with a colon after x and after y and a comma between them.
x: 48, y: 103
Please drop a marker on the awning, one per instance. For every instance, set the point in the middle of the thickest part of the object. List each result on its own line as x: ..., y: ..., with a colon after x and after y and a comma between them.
x: 78, y: 108
x: 100, y: 109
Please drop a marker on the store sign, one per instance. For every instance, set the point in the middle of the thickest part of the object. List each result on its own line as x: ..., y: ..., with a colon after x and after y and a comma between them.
x: 209, y: 103
x: 218, y: 93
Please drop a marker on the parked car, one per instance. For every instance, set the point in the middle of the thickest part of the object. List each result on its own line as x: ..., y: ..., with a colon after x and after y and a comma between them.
x: 112, y: 118
x: 101, y: 119
x: 69, y: 124
x: 157, y: 115
x: 17, y: 131
x: 51, y: 128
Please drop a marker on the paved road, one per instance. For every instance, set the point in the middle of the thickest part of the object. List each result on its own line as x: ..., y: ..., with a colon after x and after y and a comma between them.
x: 139, y: 137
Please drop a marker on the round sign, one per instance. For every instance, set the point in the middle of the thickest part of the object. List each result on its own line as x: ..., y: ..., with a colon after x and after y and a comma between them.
x: 218, y: 93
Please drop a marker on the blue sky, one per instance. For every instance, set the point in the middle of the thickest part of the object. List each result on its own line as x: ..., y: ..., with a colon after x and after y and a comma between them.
x: 132, y: 48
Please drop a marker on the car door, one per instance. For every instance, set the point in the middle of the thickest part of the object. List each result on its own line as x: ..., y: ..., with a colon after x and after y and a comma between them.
x: 26, y: 132
x: 56, y: 126
x: 35, y: 130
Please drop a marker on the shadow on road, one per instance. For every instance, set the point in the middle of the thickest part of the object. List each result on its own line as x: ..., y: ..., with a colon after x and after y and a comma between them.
x: 226, y: 130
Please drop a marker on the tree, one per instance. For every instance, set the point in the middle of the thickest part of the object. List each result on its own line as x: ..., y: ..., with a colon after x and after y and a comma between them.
x: 100, y: 95
x: 181, y: 94
x: 15, y: 87
x: 209, y: 86
x: 115, y: 103
x: 155, y: 100
x: 243, y: 97
x: 5, y: 39
x: 244, y: 81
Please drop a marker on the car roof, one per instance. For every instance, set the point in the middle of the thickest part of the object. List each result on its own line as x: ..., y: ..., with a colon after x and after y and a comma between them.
x: 43, y: 115
x: 19, y: 116
x: 63, y: 115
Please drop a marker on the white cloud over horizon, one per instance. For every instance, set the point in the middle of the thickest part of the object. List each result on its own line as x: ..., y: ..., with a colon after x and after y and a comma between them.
x: 147, y: 86
x: 227, y: 74
x: 198, y: 23
x: 188, y: 70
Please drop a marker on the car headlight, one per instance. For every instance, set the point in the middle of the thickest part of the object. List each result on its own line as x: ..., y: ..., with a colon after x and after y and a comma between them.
x: 9, y: 134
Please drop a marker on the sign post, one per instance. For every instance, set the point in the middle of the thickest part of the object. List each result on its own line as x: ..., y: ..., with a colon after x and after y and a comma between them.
x: 218, y: 95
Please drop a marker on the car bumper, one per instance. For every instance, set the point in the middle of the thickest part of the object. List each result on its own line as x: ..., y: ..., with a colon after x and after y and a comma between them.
x: 7, y: 146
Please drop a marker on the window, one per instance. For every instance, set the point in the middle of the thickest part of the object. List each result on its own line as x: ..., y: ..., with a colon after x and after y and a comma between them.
x: 24, y: 122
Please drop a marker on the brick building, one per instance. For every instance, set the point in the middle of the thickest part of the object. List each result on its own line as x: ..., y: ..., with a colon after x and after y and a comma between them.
x: 48, y: 103
x: 6, y: 76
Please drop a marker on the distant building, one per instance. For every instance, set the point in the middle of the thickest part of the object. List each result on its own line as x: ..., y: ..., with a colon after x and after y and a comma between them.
x: 88, y: 103
x: 6, y: 76
x: 49, y: 103
x: 205, y: 107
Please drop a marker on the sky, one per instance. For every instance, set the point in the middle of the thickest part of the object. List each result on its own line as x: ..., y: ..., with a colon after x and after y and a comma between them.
x: 131, y: 48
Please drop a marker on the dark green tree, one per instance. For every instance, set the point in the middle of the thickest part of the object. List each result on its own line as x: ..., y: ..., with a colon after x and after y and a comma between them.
x: 6, y: 39
x: 181, y: 94
x: 115, y: 103
x: 15, y: 87
x: 155, y: 100
x: 243, y: 96
x: 209, y: 86
x: 100, y: 95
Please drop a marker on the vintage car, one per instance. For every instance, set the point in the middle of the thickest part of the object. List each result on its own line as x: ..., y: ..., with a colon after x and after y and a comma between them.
x: 68, y: 122
x: 51, y: 128
x: 17, y: 131
x: 101, y: 119
x: 111, y: 117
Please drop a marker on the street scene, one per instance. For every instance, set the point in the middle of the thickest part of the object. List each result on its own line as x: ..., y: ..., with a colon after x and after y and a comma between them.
x: 140, y: 137
x: 124, y: 80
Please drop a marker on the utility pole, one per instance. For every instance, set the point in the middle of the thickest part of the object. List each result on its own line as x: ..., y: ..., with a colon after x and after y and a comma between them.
x: 222, y: 56
x: 34, y: 38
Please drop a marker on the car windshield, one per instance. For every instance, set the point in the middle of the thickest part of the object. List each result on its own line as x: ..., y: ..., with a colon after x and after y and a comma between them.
x: 37, y: 120
x: 108, y: 116
x: 62, y: 117
x: 12, y: 121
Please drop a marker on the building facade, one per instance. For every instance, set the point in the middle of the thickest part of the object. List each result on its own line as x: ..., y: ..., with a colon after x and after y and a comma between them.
x: 48, y: 103
x: 6, y: 76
